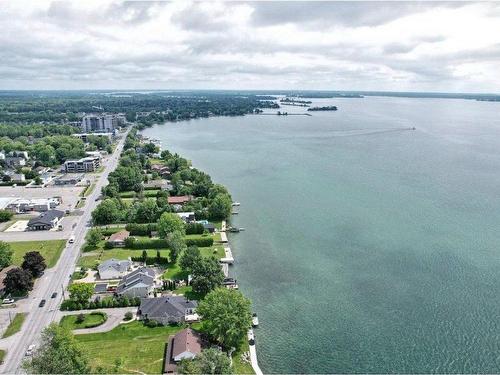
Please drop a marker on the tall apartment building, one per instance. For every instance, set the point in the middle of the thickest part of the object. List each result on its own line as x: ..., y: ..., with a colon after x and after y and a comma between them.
x: 100, y: 123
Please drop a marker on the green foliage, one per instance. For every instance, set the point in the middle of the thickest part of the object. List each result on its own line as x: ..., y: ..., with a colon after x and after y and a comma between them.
x: 226, y: 316
x: 80, y: 292
x: 176, y: 244
x: 207, y: 275
x: 189, y: 258
x: 210, y: 361
x: 220, y: 207
x: 146, y: 211
x: 94, y: 236
x: 5, y: 216
x: 128, y: 316
x: 201, y: 242
x: 141, y: 229
x: 18, y: 281
x: 34, y: 263
x: 109, y: 211
x: 127, y: 178
x: 169, y: 223
x: 5, y: 255
x: 59, y: 353
x: 195, y: 228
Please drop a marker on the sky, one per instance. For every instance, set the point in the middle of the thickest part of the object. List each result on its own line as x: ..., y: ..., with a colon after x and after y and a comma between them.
x: 386, y: 46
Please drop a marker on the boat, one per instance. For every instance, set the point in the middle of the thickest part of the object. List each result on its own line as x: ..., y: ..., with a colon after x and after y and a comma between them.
x: 255, y: 320
x: 235, y: 212
x: 241, y: 229
x: 235, y: 204
x: 234, y: 230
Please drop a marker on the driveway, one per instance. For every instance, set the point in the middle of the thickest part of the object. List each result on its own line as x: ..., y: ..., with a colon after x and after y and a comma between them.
x: 115, y: 317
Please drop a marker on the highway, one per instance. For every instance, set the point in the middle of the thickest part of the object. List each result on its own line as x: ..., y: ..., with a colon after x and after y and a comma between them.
x: 55, y: 279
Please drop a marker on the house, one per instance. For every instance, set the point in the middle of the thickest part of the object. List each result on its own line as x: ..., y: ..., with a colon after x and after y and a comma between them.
x: 3, y: 275
x: 209, y: 227
x: 87, y: 164
x: 188, y: 217
x: 16, y: 177
x: 138, y: 283
x: 158, y: 184
x: 16, y: 159
x: 114, y: 268
x: 186, y: 344
x: 168, y: 309
x: 180, y: 199
x: 118, y: 239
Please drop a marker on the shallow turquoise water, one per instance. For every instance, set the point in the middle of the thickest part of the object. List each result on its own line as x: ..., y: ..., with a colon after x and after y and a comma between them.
x: 365, y: 250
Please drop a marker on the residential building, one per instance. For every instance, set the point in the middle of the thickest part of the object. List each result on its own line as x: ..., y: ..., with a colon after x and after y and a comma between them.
x: 114, y: 268
x: 99, y: 123
x: 186, y: 344
x: 138, y: 283
x: 168, y: 309
x: 16, y: 177
x: 209, y: 227
x: 158, y: 184
x: 180, y: 199
x: 118, y: 239
x: 188, y: 217
x: 46, y: 221
x: 84, y: 165
x: 16, y: 159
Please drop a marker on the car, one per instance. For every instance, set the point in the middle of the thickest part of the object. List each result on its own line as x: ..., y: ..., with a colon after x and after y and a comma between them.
x: 54, y: 295
x: 8, y: 301
x: 72, y: 239
x: 42, y: 303
x: 251, y: 342
x: 30, y: 350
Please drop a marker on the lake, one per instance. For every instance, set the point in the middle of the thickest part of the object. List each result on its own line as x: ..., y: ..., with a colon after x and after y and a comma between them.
x: 368, y: 247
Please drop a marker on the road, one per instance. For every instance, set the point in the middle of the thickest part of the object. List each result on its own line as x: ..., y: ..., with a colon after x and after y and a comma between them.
x: 55, y: 279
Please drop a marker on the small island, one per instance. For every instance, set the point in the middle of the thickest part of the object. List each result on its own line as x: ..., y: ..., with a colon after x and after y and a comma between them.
x: 326, y: 108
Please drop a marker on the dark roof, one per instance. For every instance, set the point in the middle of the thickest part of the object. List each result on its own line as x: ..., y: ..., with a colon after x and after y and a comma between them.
x: 46, y: 217
x: 169, y: 306
x: 208, y: 226
x: 143, y: 275
x: 100, y: 288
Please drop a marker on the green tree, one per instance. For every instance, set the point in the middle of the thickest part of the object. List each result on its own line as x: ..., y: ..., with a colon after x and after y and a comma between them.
x: 34, y: 262
x: 226, y: 316
x: 5, y: 255
x: 169, y: 223
x: 146, y: 211
x: 59, y: 353
x: 210, y: 361
x: 93, y: 237
x: 107, y: 212
x: 18, y: 281
x: 5, y: 216
x: 80, y: 292
x: 220, y: 207
x: 176, y: 244
x: 190, y: 258
x: 207, y: 275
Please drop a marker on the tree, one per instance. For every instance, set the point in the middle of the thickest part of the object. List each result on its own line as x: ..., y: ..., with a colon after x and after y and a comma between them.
x: 18, y: 281
x: 176, y: 244
x: 80, y: 292
x: 226, y: 316
x: 34, y: 262
x: 59, y: 353
x: 107, y: 212
x: 5, y: 216
x: 207, y: 275
x: 5, y: 255
x: 93, y: 237
x: 209, y: 361
x: 146, y: 211
x: 190, y: 258
x: 169, y: 223
x: 38, y: 180
x: 220, y: 207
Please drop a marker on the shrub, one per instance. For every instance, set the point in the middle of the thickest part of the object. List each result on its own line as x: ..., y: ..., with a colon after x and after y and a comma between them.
x: 200, y: 242
x: 109, y: 231
x: 80, y: 318
x: 150, y: 244
x: 141, y: 229
x: 151, y: 323
x: 195, y: 228
x: 5, y: 215
x: 128, y: 315
x: 108, y: 245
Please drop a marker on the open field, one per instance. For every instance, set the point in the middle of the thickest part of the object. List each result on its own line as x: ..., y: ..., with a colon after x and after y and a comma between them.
x: 15, y: 325
x: 135, y: 347
x: 50, y: 250
x: 89, y: 259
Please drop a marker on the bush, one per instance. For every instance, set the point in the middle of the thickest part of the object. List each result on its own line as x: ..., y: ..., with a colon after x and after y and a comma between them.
x: 200, y: 242
x: 151, y: 323
x: 5, y: 215
x: 141, y: 229
x: 150, y: 244
x: 108, y: 245
x: 69, y: 305
x: 195, y: 228
x: 80, y: 318
x: 95, y: 324
x: 128, y: 315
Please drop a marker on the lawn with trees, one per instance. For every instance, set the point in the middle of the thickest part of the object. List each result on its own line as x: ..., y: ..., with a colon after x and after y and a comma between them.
x: 50, y: 250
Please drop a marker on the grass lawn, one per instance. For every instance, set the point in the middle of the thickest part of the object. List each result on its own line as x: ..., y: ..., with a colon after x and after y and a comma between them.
x: 89, y: 190
x: 2, y: 355
x: 216, y: 251
x: 240, y: 366
x: 69, y: 321
x: 50, y: 250
x: 15, y: 325
x: 146, y: 193
x: 133, y: 346
x: 80, y: 203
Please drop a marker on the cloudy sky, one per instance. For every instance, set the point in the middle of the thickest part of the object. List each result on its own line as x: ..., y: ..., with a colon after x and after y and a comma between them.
x: 403, y: 46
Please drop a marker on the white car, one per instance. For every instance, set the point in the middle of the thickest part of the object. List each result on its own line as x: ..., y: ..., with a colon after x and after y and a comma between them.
x: 30, y: 350
x: 8, y: 301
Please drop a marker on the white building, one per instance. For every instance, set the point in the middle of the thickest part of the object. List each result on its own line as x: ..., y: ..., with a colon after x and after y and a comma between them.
x: 20, y: 205
x: 88, y: 164
x: 99, y: 123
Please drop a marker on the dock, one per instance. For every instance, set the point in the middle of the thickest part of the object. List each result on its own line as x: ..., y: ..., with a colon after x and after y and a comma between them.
x: 253, y: 354
x: 223, y: 237
x: 228, y: 257
x: 225, y: 269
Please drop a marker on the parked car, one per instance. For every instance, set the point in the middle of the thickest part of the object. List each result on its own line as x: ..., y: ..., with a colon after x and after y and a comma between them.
x: 8, y: 301
x: 42, y: 303
x: 30, y: 350
x: 54, y: 295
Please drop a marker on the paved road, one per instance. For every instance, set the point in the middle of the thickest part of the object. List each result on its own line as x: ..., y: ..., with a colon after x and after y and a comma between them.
x: 55, y: 280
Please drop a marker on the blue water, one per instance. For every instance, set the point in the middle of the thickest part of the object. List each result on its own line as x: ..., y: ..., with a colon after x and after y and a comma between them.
x: 368, y: 248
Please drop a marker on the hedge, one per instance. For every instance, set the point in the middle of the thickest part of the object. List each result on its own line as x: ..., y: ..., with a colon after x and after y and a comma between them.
x: 141, y: 229
x: 96, y: 324
x: 151, y: 260
x: 18, y: 183
x: 109, y: 231
x: 195, y: 228
x: 149, y: 244
x: 70, y: 305
x: 200, y: 242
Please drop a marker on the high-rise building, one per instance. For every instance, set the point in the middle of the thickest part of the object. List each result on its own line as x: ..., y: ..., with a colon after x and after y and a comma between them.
x: 99, y: 123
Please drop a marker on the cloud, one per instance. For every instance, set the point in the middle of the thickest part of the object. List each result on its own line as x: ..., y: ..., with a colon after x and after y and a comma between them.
x: 438, y: 46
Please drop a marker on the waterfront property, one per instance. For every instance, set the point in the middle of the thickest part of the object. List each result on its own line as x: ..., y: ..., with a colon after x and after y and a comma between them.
x: 186, y: 344
x: 179, y: 200
x: 168, y: 309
